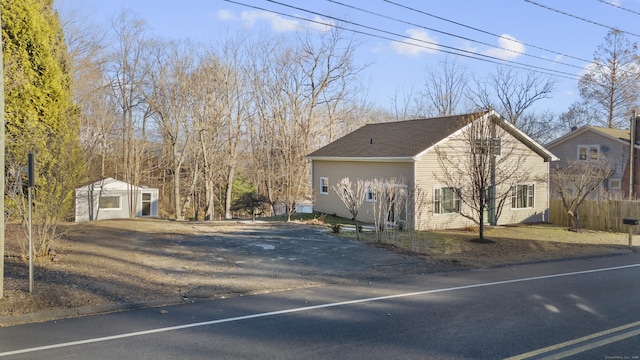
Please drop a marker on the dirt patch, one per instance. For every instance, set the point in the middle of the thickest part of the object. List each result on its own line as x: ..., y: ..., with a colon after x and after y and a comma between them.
x: 107, y: 265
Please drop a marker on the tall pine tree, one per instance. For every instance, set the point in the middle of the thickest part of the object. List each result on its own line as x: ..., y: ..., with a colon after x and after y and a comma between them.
x: 41, y: 117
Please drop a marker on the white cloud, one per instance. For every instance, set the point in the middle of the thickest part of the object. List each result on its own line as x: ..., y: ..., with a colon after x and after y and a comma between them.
x: 423, y: 43
x: 225, y: 15
x: 511, y: 49
x: 320, y: 24
x: 276, y: 22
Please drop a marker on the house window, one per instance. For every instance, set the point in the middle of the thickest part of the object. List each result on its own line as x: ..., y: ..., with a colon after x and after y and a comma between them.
x: 109, y: 202
x: 324, y: 185
x: 371, y: 195
x: 488, y: 146
x: 446, y: 200
x: 522, y: 196
x: 614, y: 184
x: 588, y: 152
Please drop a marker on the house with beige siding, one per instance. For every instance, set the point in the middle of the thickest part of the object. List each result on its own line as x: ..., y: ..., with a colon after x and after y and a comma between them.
x: 408, y: 154
x: 589, y: 143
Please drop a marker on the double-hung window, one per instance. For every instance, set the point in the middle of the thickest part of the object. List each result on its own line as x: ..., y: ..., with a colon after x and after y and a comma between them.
x: 324, y: 185
x: 588, y: 152
x: 522, y: 196
x: 446, y: 200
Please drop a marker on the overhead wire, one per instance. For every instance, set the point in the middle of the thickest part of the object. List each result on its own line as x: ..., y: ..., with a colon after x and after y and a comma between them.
x: 492, y: 34
x: 482, y: 31
x: 452, y: 50
x: 580, y: 18
x: 454, y: 35
x: 620, y: 7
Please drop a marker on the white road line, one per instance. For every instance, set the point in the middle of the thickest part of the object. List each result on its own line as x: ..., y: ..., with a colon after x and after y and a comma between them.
x: 306, y: 308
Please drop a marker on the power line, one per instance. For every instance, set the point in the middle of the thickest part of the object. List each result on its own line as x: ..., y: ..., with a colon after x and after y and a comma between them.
x: 452, y: 50
x: 489, y: 33
x: 482, y: 31
x: 619, y: 7
x: 456, y: 36
x: 580, y: 18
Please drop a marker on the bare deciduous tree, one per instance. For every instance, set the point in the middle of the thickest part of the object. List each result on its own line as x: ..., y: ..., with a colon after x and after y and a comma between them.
x: 293, y: 86
x: 234, y: 81
x: 86, y: 46
x: 128, y: 71
x: 612, y: 79
x: 352, y: 196
x: 205, y: 111
x: 170, y: 97
x: 481, y: 165
x: 574, y: 182
x: 445, y: 88
x: 579, y: 114
x: 512, y: 94
x: 390, y: 200
x: 407, y: 104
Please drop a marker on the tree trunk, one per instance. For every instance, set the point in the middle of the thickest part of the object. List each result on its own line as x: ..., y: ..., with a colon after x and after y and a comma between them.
x: 481, y: 232
x: 573, y: 219
x: 176, y: 193
x: 227, y: 203
x: 210, y: 207
x: 355, y: 222
x: 188, y: 200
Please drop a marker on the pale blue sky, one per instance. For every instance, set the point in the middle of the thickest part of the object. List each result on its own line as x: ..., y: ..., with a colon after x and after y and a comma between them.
x: 558, y: 37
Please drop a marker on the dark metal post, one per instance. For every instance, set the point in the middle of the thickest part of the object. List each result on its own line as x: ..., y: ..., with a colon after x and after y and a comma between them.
x: 30, y: 182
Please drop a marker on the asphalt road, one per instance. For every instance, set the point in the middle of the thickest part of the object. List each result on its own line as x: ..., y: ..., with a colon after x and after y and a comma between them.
x: 582, y: 309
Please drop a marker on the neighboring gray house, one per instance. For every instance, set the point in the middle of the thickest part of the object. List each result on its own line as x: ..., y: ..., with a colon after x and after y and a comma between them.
x: 109, y: 199
x: 407, y: 150
x: 592, y: 142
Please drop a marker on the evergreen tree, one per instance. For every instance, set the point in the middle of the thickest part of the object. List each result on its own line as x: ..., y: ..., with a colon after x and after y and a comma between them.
x: 41, y: 117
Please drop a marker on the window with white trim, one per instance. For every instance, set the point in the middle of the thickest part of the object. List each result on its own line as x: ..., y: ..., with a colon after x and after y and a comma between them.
x: 324, y: 185
x: 588, y: 152
x: 109, y: 202
x: 446, y: 200
x: 522, y: 196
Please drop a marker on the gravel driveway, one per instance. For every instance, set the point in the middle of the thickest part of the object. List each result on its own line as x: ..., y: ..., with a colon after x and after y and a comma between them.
x: 289, y: 256
x: 120, y: 264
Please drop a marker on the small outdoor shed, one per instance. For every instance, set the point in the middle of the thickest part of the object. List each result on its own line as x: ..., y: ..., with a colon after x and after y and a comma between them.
x: 110, y: 198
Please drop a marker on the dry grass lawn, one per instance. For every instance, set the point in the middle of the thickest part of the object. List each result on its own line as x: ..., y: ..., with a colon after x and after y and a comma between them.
x: 505, y: 244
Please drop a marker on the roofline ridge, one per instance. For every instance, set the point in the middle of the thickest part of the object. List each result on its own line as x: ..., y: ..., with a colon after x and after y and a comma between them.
x: 476, y: 113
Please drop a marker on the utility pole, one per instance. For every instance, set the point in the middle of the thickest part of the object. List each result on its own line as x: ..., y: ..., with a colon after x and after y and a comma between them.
x: 632, y: 144
x: 1, y: 166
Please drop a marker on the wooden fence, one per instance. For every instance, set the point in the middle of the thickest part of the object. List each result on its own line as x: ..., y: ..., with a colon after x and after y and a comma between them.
x: 603, y: 215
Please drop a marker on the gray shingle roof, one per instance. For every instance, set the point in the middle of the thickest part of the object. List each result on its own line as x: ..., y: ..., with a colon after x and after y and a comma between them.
x: 400, y: 139
x: 621, y: 135
x: 615, y: 133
